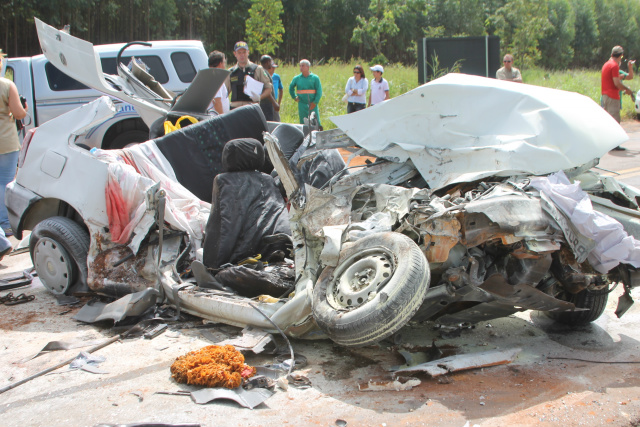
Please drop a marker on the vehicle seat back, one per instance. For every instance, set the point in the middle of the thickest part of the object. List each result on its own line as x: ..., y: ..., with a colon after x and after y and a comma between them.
x: 246, y: 207
x: 195, y: 152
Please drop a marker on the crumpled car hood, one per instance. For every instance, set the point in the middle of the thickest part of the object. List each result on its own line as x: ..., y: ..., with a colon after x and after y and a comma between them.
x: 461, y: 128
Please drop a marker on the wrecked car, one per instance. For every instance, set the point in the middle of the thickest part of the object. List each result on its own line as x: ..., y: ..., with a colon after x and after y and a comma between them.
x: 481, y: 203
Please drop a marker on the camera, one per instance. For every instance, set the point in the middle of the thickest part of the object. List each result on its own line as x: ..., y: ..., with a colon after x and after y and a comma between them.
x: 23, y: 101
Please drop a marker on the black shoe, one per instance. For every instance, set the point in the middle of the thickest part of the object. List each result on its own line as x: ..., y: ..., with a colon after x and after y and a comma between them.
x: 619, y: 148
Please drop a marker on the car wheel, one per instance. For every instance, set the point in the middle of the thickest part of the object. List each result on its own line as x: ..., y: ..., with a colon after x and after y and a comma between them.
x: 376, y: 288
x: 59, y: 248
x: 128, y: 138
x: 594, y: 301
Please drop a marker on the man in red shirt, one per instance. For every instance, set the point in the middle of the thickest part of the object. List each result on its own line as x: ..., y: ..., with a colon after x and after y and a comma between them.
x: 612, y: 85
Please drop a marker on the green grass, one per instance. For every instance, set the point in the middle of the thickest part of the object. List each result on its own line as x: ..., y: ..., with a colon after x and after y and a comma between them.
x: 401, y: 79
x: 334, y: 78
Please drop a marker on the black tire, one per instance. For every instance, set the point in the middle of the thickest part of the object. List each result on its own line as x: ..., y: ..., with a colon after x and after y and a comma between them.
x: 128, y: 138
x: 397, y: 280
x: 58, y: 248
x: 594, y: 301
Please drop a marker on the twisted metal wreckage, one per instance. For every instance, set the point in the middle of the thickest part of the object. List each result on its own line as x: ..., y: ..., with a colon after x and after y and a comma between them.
x: 481, y: 202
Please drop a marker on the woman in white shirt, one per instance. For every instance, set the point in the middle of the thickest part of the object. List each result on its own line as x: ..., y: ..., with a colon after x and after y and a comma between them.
x: 356, y: 90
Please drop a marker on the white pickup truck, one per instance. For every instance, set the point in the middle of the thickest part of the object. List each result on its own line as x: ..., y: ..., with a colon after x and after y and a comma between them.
x: 50, y: 92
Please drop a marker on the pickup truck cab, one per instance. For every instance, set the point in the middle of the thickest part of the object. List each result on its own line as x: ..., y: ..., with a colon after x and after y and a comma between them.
x: 51, y: 93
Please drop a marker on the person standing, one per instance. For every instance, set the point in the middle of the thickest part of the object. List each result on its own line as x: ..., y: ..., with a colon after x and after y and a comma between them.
x: 306, y: 90
x: 611, y: 85
x: 220, y: 102
x: 379, y: 86
x: 276, y: 95
x: 239, y: 72
x: 11, y: 109
x: 356, y: 90
x: 508, y: 72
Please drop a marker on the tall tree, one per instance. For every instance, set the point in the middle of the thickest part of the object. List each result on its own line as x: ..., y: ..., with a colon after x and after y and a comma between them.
x: 585, y: 42
x: 264, y: 27
x: 374, y: 29
x: 521, y: 24
x: 555, y: 47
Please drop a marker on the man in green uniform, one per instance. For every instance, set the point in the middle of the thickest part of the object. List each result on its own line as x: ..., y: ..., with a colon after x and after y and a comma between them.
x: 306, y: 90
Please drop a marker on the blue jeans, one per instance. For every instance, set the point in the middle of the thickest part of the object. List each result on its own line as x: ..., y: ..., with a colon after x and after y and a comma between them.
x: 8, y: 165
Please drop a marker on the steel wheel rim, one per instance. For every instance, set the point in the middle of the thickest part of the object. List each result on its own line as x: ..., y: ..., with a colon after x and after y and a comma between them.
x: 53, y: 264
x: 359, y: 278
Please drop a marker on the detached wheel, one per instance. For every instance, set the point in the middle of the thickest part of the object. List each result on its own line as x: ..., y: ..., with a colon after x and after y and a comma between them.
x: 59, y: 248
x: 594, y: 301
x: 376, y: 288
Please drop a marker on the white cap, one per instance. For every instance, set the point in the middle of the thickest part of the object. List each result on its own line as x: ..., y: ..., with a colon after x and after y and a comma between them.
x: 377, y: 67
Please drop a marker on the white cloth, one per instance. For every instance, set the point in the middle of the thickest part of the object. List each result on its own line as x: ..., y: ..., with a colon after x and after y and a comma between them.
x: 613, y: 244
x: 359, y: 89
x: 378, y: 91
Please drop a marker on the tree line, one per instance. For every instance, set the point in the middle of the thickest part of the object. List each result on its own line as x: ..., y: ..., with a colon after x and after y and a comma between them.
x: 549, y: 33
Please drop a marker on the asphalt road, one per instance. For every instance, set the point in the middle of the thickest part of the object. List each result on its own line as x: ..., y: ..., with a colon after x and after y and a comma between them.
x: 597, y: 382
x: 625, y: 165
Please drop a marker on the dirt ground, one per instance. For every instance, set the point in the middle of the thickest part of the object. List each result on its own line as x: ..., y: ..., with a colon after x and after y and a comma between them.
x: 536, y: 389
x: 533, y: 390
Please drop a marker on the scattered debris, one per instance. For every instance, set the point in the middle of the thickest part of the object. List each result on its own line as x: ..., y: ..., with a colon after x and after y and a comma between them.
x: 465, y: 361
x: 67, y: 300
x: 418, y: 358
x: 299, y: 380
x: 87, y: 362
x: 9, y: 299
x: 251, y: 339
x: 397, y: 384
x: 247, y: 398
x: 12, y: 281
x: 212, y: 366
x: 133, y: 304
x: 61, y: 345
x: 155, y: 331
x: 593, y: 361
x: 138, y: 395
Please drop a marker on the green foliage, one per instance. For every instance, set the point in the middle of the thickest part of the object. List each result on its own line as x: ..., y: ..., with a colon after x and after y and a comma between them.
x: 437, y: 71
x: 379, y: 59
x: 555, y: 47
x: 520, y: 25
x: 585, y: 42
x: 264, y: 27
x: 457, y: 17
x: 549, y: 33
x: 374, y: 29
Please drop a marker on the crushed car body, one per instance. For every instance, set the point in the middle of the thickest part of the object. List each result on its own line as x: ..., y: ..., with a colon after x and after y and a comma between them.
x: 464, y: 216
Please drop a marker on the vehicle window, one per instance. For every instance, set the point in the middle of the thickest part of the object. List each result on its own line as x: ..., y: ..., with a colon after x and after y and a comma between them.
x: 59, y: 81
x: 184, y: 66
x: 9, y: 73
x: 156, y: 67
x: 109, y: 65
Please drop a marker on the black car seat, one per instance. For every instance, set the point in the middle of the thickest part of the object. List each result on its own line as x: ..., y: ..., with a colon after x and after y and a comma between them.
x: 246, y: 207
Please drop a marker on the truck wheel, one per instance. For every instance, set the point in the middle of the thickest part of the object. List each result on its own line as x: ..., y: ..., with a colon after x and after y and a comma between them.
x: 376, y: 288
x: 594, y: 301
x: 128, y: 138
x: 59, y: 248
